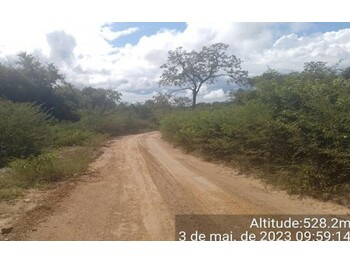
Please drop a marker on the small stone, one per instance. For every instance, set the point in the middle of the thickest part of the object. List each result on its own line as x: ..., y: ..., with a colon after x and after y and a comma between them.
x: 6, y: 230
x: 6, y: 239
x: 26, y: 200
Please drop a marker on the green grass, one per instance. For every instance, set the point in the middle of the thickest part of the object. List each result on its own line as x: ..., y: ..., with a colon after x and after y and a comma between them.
x: 9, y: 194
x: 40, y: 171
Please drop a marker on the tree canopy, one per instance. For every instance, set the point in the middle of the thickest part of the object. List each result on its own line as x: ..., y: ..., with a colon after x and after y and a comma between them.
x: 190, y: 70
x: 29, y: 80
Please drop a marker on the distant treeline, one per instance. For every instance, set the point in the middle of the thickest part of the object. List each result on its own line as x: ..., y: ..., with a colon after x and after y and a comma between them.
x: 293, y: 128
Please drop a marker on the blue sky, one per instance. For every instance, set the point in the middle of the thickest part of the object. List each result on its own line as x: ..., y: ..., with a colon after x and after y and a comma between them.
x: 151, y: 28
x: 127, y: 56
x: 322, y: 27
x: 316, y: 27
x: 144, y: 29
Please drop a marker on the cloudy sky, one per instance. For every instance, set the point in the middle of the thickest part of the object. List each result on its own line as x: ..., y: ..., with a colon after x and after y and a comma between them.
x: 127, y: 56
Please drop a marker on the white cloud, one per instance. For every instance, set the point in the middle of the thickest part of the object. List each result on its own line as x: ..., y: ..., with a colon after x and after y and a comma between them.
x: 218, y: 94
x: 136, y: 97
x: 287, y: 41
x: 291, y: 51
x: 61, y: 48
x: 84, y: 52
x: 110, y: 35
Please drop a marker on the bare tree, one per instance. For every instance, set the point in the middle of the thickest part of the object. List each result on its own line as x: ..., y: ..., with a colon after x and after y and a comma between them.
x: 190, y: 70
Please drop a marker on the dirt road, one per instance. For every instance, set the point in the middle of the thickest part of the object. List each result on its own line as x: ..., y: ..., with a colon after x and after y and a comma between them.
x: 140, y: 183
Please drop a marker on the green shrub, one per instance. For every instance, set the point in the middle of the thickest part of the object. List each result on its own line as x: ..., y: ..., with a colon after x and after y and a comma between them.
x: 23, y: 130
x: 69, y: 134
x: 296, y: 129
x: 39, y: 169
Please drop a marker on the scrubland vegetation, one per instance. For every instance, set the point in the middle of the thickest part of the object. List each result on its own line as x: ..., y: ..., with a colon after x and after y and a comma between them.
x: 291, y: 129
x: 50, y: 130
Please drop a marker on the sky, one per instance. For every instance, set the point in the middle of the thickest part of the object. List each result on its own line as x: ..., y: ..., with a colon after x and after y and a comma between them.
x: 127, y: 56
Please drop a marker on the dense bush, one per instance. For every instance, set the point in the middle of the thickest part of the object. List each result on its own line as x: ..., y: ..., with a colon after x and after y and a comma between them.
x: 223, y: 132
x: 23, y: 130
x: 68, y: 134
x: 297, y: 125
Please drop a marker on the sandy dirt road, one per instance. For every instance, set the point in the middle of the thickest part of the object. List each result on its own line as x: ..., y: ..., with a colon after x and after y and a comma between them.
x: 140, y: 183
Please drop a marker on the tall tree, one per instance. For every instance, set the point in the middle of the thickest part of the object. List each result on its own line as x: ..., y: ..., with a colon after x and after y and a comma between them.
x: 190, y: 70
x: 31, y: 81
x: 320, y: 71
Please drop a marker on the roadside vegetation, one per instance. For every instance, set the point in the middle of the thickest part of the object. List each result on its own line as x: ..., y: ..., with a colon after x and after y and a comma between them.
x: 291, y: 129
x: 50, y: 130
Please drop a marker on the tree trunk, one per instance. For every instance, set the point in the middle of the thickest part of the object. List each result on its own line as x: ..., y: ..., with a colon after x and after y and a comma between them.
x: 194, y: 98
